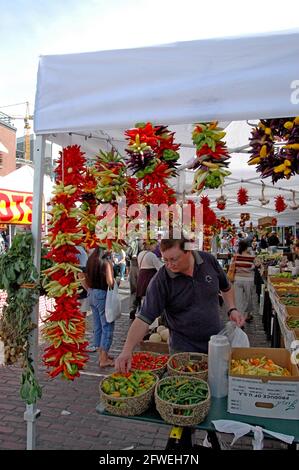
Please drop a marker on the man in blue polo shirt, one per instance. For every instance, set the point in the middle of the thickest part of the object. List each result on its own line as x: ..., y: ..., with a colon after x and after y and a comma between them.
x: 186, y: 289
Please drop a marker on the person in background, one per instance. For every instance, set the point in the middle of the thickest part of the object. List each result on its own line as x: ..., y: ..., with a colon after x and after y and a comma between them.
x: 254, y: 245
x: 224, y: 244
x: 122, y: 264
x: 237, y: 241
x: 263, y: 242
x: 148, y: 265
x: 98, y: 277
x: 82, y: 257
x: 273, y: 242
x: 186, y: 288
x: 132, y: 252
x: 245, y: 291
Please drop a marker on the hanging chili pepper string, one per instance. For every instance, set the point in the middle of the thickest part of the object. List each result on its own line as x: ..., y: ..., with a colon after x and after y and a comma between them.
x: 64, y: 329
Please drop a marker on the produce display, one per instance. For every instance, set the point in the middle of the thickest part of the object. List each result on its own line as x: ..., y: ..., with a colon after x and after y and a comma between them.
x: 257, y: 366
x: 291, y: 302
x: 190, y: 366
x: 131, y: 384
x: 19, y: 278
x: 161, y: 335
x: 148, y: 361
x: 183, y: 391
x: 285, y: 275
x: 293, y: 322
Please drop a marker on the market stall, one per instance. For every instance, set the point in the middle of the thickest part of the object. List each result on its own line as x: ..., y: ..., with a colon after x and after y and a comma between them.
x: 90, y: 99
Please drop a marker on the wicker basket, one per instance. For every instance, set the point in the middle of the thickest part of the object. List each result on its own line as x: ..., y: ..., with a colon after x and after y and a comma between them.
x: 182, y: 359
x: 128, y: 406
x: 170, y: 412
x: 159, y: 371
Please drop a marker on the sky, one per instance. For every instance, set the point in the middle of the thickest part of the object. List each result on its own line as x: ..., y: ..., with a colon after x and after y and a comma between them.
x: 30, y: 28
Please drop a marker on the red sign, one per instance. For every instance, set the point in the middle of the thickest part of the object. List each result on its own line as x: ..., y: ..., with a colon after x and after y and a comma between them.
x: 15, y: 207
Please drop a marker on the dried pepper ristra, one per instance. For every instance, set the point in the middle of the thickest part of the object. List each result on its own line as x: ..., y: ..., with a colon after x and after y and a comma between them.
x: 257, y: 366
x: 212, y: 156
x: 152, y: 157
x: 148, y: 361
x: 64, y: 328
x: 276, y: 161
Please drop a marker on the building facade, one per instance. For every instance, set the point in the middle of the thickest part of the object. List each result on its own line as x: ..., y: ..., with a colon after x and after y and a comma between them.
x: 8, y: 147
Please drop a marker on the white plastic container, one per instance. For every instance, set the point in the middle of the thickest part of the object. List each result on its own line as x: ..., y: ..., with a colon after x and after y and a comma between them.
x: 218, y: 358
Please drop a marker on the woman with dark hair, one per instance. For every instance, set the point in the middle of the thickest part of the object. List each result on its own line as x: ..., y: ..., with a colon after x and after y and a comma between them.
x: 98, y: 277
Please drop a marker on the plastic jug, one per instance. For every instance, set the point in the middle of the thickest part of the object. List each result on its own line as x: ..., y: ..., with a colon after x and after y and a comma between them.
x: 218, y: 358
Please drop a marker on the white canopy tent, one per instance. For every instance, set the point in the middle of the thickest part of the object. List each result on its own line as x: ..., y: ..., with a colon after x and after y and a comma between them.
x: 90, y: 98
x: 22, y: 180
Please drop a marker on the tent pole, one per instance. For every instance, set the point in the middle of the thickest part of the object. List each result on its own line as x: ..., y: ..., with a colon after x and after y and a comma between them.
x: 32, y: 412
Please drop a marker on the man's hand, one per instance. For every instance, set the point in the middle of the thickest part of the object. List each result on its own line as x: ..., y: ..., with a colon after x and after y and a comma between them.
x: 237, y: 317
x: 123, y: 362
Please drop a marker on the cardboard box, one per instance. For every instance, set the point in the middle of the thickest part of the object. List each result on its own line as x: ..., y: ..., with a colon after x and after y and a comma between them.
x: 154, y: 347
x: 269, y: 397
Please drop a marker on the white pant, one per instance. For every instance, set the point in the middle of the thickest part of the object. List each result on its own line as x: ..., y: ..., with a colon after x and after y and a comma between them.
x: 246, y: 297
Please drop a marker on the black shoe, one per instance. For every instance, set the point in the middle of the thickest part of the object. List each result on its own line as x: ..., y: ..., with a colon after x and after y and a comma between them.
x: 249, y: 319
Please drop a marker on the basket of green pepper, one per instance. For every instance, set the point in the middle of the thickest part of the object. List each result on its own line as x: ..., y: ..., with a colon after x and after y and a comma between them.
x: 128, y: 394
x: 188, y: 364
x: 182, y: 401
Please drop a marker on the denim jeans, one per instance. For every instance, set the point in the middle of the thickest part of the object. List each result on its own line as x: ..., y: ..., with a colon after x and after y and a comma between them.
x: 102, y: 330
x: 122, y: 269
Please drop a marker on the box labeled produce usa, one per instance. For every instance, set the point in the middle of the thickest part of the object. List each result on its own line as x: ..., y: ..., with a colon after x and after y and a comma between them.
x: 265, y: 396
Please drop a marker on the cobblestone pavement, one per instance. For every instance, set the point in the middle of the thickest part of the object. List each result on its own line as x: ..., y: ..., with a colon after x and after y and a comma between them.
x: 68, y: 417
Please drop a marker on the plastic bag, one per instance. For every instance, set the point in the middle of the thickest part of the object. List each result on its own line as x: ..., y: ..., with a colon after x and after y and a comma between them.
x: 236, y: 336
x: 112, y: 305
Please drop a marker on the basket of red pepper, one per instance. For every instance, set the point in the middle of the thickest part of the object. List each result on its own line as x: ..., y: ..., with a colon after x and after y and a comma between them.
x: 188, y: 364
x: 146, y: 360
x: 128, y: 394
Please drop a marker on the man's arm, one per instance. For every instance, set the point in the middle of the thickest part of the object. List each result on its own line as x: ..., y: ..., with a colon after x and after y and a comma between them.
x: 235, y: 315
x: 136, y: 334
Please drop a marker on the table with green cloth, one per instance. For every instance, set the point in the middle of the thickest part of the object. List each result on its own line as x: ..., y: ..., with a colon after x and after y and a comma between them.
x: 218, y: 410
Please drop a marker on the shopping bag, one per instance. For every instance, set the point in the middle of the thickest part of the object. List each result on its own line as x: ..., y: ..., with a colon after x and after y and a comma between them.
x: 236, y: 336
x: 113, y: 304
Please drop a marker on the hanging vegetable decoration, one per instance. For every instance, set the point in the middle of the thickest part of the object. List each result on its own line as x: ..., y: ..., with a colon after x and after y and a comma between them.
x: 280, y: 204
x: 221, y: 203
x: 88, y: 219
x: 221, y: 200
x: 112, y: 184
x: 245, y: 216
x: 242, y: 196
x: 225, y: 223
x: 209, y: 223
x: 276, y: 161
x: 19, y: 278
x: 64, y: 328
x: 212, y: 156
x: 111, y: 176
x: 152, y: 158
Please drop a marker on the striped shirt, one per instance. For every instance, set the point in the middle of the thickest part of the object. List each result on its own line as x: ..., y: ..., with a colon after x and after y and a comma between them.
x: 244, y: 266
